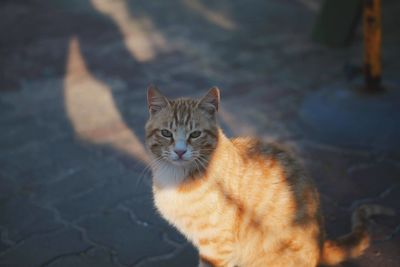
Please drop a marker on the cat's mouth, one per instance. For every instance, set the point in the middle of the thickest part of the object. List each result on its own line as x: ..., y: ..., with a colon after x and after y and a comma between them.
x: 181, y: 162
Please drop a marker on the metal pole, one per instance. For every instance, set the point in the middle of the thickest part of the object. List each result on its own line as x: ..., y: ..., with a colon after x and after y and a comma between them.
x: 372, y: 44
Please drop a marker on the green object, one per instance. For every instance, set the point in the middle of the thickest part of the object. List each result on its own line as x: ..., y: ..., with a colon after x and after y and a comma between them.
x: 336, y: 21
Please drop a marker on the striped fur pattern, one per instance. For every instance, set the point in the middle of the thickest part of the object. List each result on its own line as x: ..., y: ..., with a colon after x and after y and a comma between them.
x: 240, y: 201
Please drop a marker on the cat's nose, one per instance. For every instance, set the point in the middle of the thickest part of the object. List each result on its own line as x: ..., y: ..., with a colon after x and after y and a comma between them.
x: 180, y: 152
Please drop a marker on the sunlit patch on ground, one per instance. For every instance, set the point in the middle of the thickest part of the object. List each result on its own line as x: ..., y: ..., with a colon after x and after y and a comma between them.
x: 92, y: 111
x: 141, y: 37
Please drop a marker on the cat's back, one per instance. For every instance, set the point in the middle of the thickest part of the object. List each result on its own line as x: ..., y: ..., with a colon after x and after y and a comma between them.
x: 257, y: 152
x: 274, y: 177
x: 274, y: 167
x: 280, y: 197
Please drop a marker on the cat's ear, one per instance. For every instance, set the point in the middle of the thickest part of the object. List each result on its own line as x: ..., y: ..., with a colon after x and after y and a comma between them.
x: 155, y: 100
x: 210, y: 102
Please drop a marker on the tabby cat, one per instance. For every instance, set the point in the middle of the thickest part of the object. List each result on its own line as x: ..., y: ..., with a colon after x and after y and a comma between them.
x: 240, y: 201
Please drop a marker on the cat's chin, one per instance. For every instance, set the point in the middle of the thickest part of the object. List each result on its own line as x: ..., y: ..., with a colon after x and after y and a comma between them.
x: 181, y: 162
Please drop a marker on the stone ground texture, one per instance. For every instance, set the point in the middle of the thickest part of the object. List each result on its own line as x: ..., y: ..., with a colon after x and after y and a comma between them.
x: 74, y: 189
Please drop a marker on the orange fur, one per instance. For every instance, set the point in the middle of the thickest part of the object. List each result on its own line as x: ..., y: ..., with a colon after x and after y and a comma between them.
x: 241, y: 202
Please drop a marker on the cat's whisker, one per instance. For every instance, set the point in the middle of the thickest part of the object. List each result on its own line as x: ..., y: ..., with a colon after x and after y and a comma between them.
x: 197, y: 165
x: 202, y: 162
x: 148, y: 168
x: 141, y: 176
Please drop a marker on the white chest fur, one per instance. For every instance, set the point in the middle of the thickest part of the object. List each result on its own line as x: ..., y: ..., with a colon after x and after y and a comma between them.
x: 166, y: 179
x: 168, y: 175
x: 169, y: 203
x: 187, y: 210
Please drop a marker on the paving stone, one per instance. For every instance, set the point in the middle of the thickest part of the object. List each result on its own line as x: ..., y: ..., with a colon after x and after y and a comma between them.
x: 48, y: 90
x: 91, y: 258
x: 144, y: 210
x: 41, y: 249
x: 69, y: 186
x: 338, y: 116
x: 12, y: 165
x: 373, y: 179
x: 46, y: 162
x: 5, y: 108
x: 337, y: 222
x: 15, y: 135
x: 3, y: 247
x: 22, y: 219
x: 8, y: 187
x: 329, y: 166
x: 391, y: 198
x: 131, y: 241
x: 187, y: 256
x: 102, y: 198
x: 63, y: 182
x: 379, y: 254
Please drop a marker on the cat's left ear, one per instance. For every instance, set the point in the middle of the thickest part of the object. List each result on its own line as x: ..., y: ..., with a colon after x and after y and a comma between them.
x: 210, y: 102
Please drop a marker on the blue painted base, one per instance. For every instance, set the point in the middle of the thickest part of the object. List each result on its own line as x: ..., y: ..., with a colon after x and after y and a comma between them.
x: 349, y: 118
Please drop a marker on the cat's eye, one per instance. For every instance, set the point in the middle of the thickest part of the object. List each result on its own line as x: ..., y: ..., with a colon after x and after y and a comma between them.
x: 166, y: 133
x: 195, y: 134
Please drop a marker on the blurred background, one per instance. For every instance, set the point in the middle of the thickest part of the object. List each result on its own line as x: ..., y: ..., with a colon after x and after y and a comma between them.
x: 74, y: 188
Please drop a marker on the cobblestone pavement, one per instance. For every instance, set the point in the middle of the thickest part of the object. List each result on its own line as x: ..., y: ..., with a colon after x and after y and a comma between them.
x: 74, y: 190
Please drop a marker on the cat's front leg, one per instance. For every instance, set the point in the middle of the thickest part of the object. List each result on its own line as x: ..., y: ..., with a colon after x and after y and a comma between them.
x: 208, y: 262
x: 203, y: 263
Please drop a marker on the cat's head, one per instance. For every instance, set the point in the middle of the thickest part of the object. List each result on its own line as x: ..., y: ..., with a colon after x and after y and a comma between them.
x: 182, y: 132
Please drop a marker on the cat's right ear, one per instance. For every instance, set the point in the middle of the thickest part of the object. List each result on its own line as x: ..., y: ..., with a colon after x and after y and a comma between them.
x: 155, y: 100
